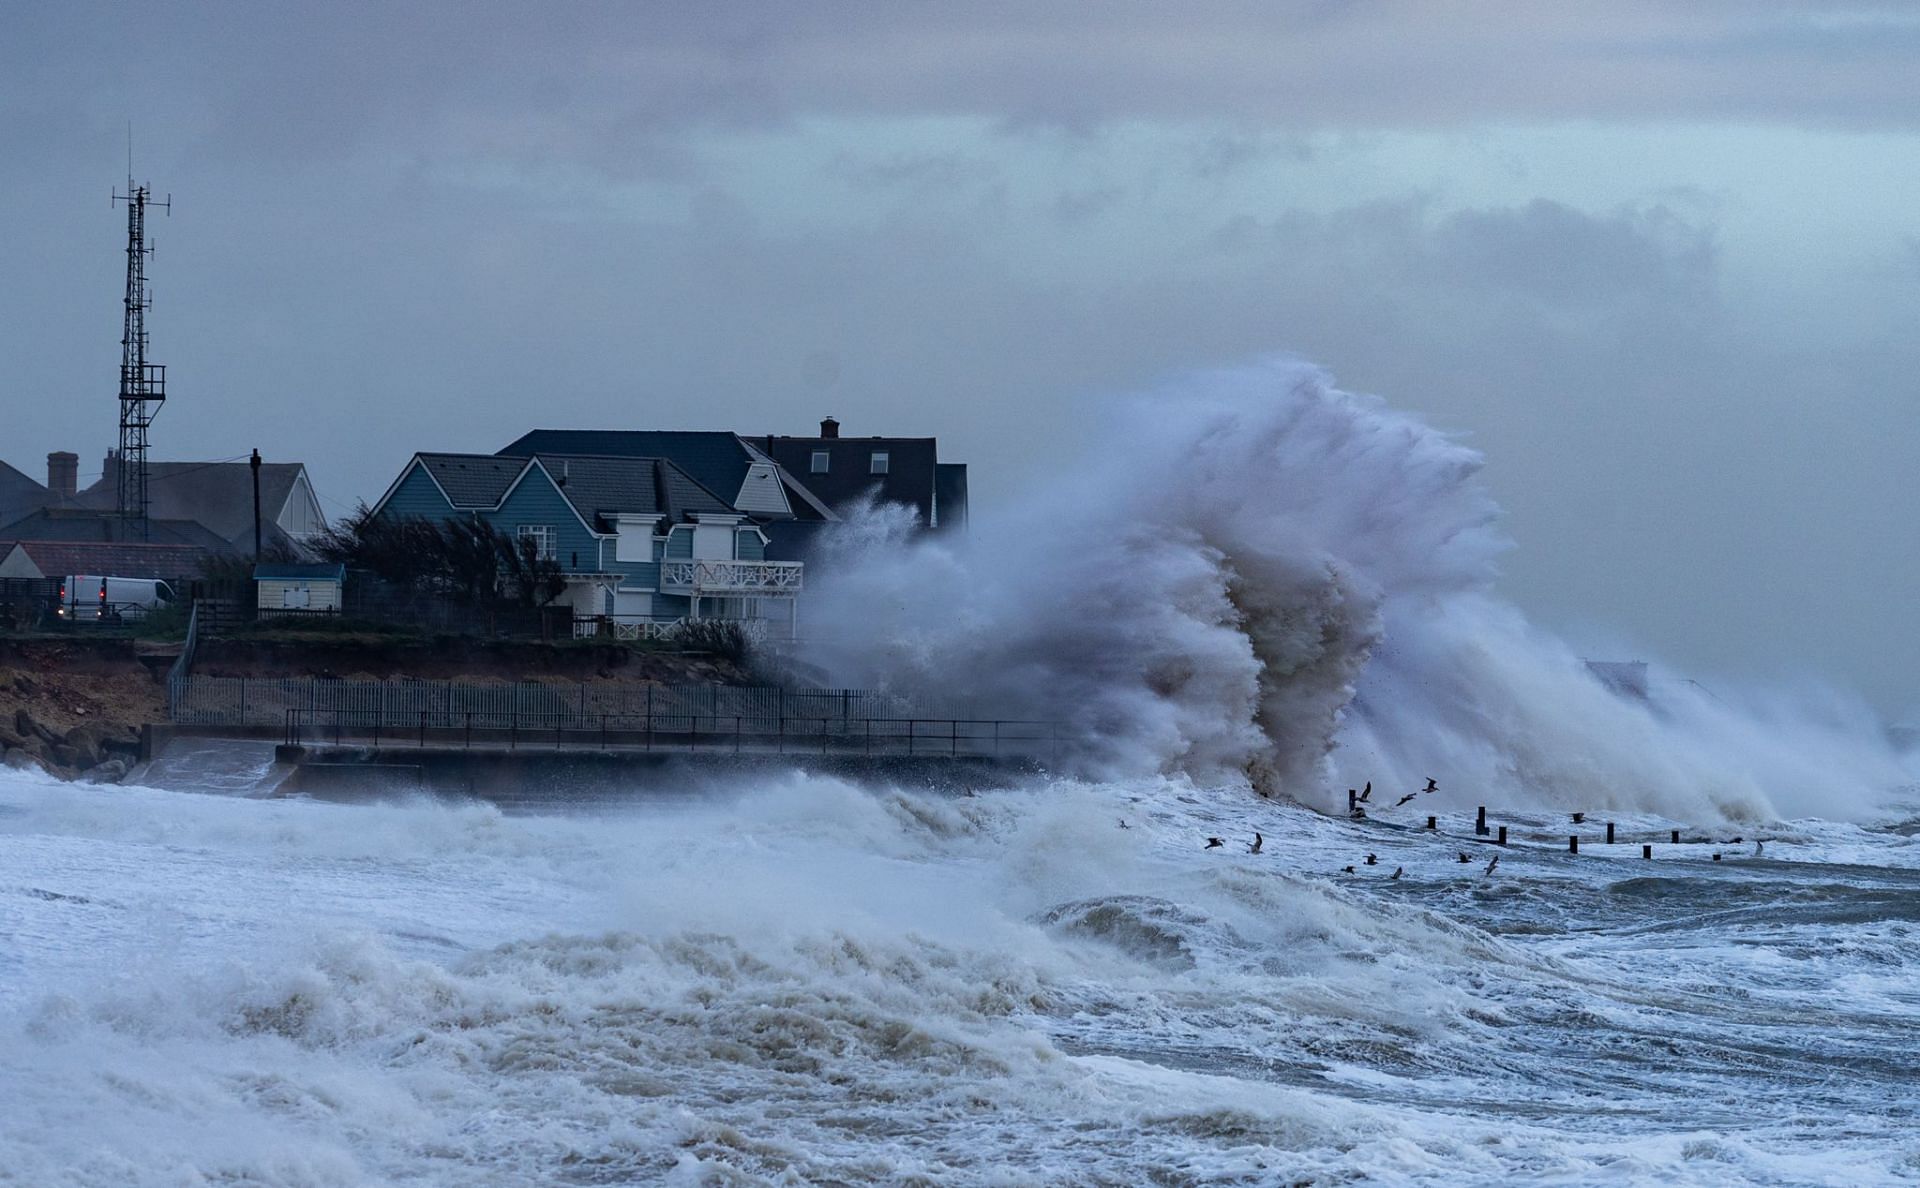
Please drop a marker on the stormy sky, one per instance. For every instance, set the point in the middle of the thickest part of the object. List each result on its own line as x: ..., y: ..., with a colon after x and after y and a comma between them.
x: 1659, y: 261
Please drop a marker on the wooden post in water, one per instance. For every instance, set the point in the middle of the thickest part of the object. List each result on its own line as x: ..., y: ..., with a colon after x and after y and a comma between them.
x: 1480, y: 823
x: 1676, y: 837
x: 1503, y: 835
x: 1646, y: 851
x: 1433, y: 822
x: 1609, y: 832
x: 1573, y: 843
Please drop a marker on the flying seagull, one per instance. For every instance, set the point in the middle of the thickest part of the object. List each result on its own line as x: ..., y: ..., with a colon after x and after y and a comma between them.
x: 1404, y: 799
x: 1494, y: 863
x: 1463, y: 857
x: 1373, y: 859
x: 1123, y: 824
x: 1366, y: 792
x: 1431, y: 786
x: 1397, y: 872
x: 1758, y: 846
x: 1258, y: 841
x: 1214, y: 843
x: 1347, y: 869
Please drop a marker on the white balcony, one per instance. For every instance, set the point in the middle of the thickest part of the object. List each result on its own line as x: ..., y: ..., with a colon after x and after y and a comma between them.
x: 732, y: 579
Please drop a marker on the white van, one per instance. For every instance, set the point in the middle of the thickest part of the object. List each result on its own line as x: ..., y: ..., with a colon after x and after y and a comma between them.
x: 95, y: 598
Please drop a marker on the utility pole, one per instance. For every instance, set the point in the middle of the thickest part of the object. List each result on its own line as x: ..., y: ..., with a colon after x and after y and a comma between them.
x: 143, y: 385
x: 254, y: 465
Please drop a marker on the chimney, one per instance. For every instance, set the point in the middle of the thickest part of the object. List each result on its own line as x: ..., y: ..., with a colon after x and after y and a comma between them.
x: 63, y: 474
x: 830, y: 428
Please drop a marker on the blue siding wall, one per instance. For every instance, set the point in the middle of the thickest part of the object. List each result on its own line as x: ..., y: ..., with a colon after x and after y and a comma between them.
x: 536, y: 502
x: 680, y: 543
x: 748, y: 547
x: 418, y: 498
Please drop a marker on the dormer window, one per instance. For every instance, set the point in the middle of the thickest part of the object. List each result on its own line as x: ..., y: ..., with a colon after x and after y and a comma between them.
x: 878, y: 464
x: 819, y: 462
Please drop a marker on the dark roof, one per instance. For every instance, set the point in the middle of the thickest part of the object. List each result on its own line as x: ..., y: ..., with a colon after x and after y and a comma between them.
x: 715, y: 459
x: 599, y: 486
x: 88, y: 525
x: 473, y: 480
x: 19, y: 494
x: 216, y: 494
x: 849, y: 478
x: 294, y: 571
x: 65, y: 558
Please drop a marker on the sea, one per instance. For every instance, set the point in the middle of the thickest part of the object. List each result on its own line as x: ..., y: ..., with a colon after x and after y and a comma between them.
x: 800, y: 980
x: 1173, y: 958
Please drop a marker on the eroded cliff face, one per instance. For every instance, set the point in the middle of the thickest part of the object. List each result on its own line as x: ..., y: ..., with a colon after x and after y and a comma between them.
x: 75, y: 708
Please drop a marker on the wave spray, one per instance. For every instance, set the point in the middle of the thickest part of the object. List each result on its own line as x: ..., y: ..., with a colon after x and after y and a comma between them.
x: 1250, y: 571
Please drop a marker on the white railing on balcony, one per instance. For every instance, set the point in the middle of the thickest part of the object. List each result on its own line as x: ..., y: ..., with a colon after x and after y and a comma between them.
x: 769, y: 579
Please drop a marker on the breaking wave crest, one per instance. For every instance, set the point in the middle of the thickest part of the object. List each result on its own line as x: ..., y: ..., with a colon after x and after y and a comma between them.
x: 1251, y: 571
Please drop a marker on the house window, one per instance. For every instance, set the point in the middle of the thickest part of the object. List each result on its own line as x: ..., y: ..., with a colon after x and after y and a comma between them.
x: 543, y: 537
x: 819, y: 464
x: 879, y: 463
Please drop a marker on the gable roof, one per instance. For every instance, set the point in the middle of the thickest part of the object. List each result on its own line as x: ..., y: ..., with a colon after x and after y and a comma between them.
x: 715, y: 459
x: 20, y: 494
x: 597, y: 488
x: 910, y: 477
x: 607, y: 487
x: 216, y: 494
x: 473, y: 480
x: 55, y: 559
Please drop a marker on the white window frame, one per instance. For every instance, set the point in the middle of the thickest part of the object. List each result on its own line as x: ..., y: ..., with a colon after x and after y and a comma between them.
x: 820, y: 462
x: 879, y: 462
x: 546, y: 538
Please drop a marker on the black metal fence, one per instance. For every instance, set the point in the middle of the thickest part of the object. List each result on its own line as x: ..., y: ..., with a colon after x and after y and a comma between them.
x: 265, y: 701
x: 692, y: 733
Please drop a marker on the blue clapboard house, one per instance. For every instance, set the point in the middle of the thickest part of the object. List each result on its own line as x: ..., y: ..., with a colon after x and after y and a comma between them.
x: 642, y: 542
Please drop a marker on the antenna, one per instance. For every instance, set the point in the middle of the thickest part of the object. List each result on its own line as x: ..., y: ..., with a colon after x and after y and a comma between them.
x: 143, y: 385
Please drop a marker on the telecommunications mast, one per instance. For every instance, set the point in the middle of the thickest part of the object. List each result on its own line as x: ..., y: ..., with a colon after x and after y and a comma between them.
x: 143, y: 385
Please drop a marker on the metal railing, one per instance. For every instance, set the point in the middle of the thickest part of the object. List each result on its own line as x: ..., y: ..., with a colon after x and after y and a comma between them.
x: 733, y: 577
x: 691, y: 733
x: 264, y: 701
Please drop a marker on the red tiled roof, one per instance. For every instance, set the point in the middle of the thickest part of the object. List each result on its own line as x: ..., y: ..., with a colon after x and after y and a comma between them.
x: 57, y: 558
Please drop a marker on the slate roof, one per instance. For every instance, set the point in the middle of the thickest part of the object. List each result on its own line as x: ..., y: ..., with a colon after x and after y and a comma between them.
x: 473, y: 480
x: 216, y: 494
x: 19, y: 494
x: 599, y: 488
x: 169, y: 562
x: 715, y: 459
x: 911, y: 463
x: 630, y: 486
x: 90, y: 525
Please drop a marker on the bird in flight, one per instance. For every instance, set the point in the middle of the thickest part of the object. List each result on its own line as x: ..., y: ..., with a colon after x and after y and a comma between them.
x: 1123, y: 824
x: 1214, y: 843
x: 1431, y: 786
x: 1404, y: 799
x: 1366, y: 792
x: 1397, y: 872
x: 1494, y: 863
x: 1253, y: 847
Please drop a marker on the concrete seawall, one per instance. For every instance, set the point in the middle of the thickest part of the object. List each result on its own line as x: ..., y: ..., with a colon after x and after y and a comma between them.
x: 530, y: 776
